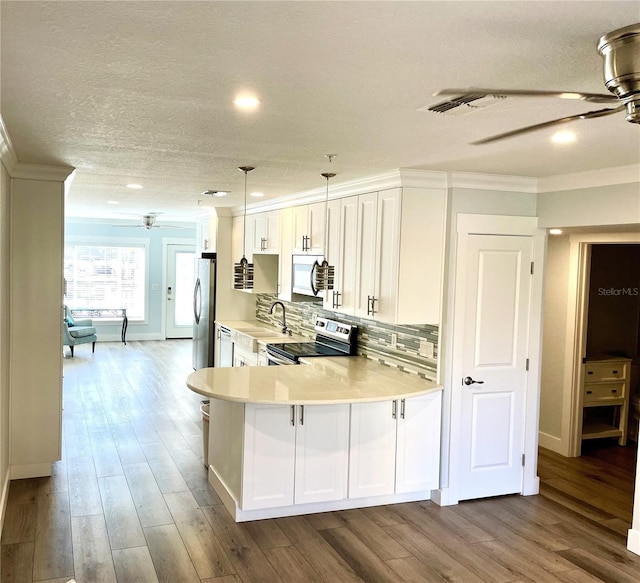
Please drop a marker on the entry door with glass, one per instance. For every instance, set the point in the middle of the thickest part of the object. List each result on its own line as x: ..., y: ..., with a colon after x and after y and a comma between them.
x: 178, y: 294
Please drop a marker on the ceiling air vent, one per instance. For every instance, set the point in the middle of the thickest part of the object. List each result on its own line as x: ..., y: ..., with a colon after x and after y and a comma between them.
x: 464, y: 104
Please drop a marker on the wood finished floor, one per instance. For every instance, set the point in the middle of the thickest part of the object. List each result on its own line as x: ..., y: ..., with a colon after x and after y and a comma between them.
x: 130, y: 502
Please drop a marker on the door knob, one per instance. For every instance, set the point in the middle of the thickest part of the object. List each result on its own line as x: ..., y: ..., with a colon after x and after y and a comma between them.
x: 470, y: 381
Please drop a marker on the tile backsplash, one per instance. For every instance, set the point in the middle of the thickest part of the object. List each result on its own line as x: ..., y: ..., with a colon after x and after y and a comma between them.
x: 374, y: 338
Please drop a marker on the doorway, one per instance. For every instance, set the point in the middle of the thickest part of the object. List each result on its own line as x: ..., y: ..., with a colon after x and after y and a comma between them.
x: 180, y: 276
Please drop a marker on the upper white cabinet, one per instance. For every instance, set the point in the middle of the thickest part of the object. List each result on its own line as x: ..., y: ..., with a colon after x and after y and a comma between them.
x: 389, y: 256
x: 239, y: 245
x: 307, y: 228
x: 387, y: 248
x: 266, y: 232
x: 265, y: 265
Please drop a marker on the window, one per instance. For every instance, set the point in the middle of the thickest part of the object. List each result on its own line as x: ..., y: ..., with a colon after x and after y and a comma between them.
x: 106, y: 276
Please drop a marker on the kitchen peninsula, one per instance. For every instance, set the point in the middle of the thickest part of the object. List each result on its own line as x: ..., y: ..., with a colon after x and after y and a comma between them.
x: 330, y: 434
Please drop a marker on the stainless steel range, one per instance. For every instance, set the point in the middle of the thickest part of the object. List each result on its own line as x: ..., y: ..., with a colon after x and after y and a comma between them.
x: 333, y: 338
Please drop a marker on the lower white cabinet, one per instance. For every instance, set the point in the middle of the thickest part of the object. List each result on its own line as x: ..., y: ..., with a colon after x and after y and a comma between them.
x: 395, y: 446
x: 294, y: 454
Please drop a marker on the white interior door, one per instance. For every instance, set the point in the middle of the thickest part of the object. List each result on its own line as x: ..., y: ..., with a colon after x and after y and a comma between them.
x: 493, y: 300
x: 179, y: 291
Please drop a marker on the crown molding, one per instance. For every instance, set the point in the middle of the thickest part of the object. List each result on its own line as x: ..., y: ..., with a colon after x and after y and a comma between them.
x: 500, y: 182
x: 401, y: 177
x: 590, y: 179
x: 7, y: 153
x: 18, y: 169
x: 41, y: 172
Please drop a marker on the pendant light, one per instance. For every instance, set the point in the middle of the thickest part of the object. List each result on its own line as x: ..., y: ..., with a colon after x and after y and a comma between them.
x: 324, y: 274
x: 243, y: 270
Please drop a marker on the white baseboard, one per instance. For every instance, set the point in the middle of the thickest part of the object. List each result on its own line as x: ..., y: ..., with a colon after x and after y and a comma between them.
x: 31, y: 471
x: 443, y: 497
x: 532, y: 487
x: 633, y: 541
x: 551, y: 442
x: 4, y: 495
x: 140, y: 336
x: 240, y: 515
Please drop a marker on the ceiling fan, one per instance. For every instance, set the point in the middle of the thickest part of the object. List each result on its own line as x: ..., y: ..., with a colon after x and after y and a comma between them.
x: 148, y: 221
x: 621, y: 52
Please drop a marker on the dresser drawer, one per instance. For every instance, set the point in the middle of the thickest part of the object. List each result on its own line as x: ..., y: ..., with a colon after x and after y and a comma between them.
x: 603, y: 391
x: 605, y: 371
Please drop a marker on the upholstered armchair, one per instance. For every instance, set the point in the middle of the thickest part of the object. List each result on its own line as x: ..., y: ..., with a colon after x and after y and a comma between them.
x: 77, y: 332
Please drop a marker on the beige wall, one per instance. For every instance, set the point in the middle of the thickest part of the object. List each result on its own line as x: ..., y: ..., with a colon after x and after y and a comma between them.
x: 618, y: 204
x: 4, y: 334
x: 554, y: 337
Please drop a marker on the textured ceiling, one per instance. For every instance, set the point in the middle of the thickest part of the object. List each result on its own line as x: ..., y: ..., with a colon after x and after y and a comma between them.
x: 142, y: 92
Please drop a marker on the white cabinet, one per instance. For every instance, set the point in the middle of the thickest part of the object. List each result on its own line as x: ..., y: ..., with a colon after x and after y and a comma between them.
x: 307, y: 228
x: 395, y: 446
x: 238, y: 244
x: 265, y: 266
x: 269, y: 454
x: 341, y: 253
x: 399, y: 255
x: 266, y: 232
x: 418, y: 444
x: 372, y: 449
x: 322, y: 454
x: 605, y: 398
x: 294, y: 454
x: 243, y: 356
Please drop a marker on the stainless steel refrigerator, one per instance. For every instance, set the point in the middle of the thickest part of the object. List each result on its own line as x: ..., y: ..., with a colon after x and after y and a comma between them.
x: 204, y: 311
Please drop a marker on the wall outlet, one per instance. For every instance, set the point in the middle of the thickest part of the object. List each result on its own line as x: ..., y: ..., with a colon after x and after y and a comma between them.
x: 394, y: 339
x: 426, y: 348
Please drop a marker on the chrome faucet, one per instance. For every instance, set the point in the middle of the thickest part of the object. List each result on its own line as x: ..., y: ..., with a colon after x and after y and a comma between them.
x: 283, y: 323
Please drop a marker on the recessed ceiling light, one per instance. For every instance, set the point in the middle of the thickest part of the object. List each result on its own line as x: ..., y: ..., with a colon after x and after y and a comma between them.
x: 135, y: 186
x: 564, y: 137
x: 555, y: 231
x: 246, y: 102
x: 113, y: 202
x: 257, y: 194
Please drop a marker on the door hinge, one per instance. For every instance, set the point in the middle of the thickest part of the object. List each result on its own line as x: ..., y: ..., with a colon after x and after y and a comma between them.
x: 523, y: 458
x: 526, y: 365
x: 532, y: 268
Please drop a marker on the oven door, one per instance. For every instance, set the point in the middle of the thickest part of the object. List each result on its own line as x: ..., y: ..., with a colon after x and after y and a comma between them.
x: 273, y: 360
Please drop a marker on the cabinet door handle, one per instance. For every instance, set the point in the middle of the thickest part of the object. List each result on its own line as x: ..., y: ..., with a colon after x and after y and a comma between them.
x: 301, y: 414
x: 394, y: 409
x: 336, y: 299
x: 589, y: 392
x: 614, y: 390
x: 371, y: 305
x: 614, y: 372
x: 402, y: 408
x: 263, y: 244
x: 293, y: 415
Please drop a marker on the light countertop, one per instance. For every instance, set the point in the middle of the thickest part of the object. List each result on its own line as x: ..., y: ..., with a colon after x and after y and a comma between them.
x: 320, y: 381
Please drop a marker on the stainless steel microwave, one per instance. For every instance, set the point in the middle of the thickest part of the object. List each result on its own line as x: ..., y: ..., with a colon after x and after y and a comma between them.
x: 301, y: 274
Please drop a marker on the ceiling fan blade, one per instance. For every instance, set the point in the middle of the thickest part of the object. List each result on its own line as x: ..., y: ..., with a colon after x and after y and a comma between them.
x: 591, y: 97
x: 546, y: 124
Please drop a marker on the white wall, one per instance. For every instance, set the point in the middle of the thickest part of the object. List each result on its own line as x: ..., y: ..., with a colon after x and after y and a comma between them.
x: 617, y: 204
x: 4, y: 336
x: 553, y: 341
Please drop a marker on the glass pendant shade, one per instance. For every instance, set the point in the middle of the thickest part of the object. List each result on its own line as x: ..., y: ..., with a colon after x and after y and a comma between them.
x: 243, y: 270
